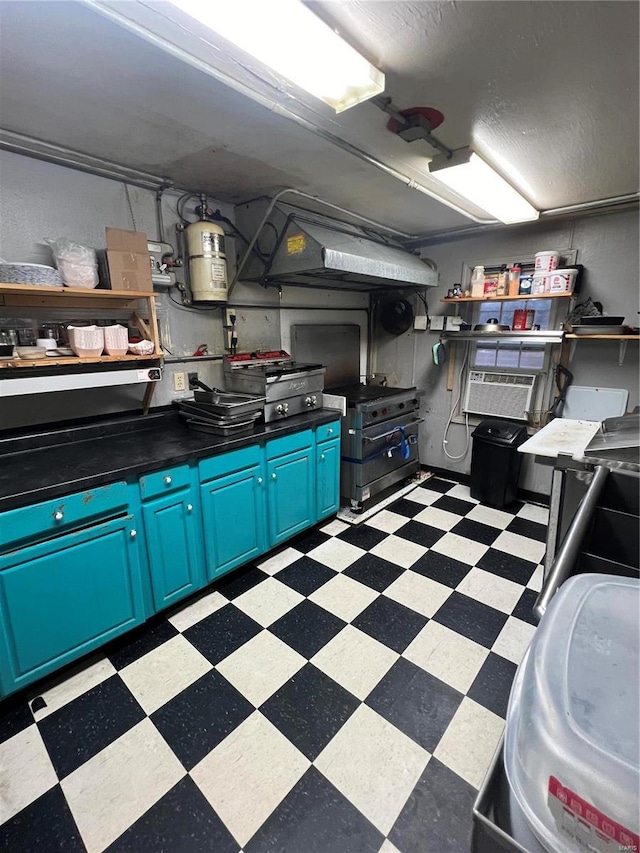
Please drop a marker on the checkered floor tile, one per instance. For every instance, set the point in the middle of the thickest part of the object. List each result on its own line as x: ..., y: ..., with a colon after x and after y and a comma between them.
x: 344, y: 695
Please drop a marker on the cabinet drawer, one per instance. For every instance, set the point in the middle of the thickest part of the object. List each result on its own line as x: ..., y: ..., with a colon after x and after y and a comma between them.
x: 327, y: 431
x: 163, y: 482
x: 227, y: 463
x: 44, y: 520
x: 289, y: 443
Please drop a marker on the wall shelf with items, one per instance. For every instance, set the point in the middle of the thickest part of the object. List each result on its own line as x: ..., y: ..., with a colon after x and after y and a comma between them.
x: 453, y: 300
x: 24, y: 376
x: 552, y: 336
x: 622, y: 339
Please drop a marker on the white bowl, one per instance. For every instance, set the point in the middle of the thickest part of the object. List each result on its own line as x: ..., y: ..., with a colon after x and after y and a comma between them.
x: 46, y: 343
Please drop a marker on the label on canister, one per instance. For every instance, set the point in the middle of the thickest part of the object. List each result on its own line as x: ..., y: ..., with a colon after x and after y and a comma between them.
x: 582, y: 822
x: 219, y: 270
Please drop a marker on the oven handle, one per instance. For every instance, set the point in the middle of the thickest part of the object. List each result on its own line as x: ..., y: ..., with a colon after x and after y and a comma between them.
x: 394, y: 430
x: 403, y: 446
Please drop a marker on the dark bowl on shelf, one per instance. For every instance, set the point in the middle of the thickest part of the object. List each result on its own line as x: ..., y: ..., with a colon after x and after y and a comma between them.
x: 602, y: 321
x: 6, y: 350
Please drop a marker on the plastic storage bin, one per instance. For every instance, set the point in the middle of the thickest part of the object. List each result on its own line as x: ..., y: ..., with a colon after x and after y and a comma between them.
x: 495, y: 461
x: 571, y: 749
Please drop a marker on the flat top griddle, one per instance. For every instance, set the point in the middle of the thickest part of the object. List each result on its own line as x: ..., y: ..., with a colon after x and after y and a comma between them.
x: 366, y: 393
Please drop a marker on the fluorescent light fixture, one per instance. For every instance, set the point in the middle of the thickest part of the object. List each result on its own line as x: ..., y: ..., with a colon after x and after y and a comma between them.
x: 471, y: 177
x: 291, y: 40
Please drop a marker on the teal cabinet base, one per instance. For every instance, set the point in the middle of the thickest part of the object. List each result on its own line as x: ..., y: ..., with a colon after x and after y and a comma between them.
x: 82, y: 571
x: 65, y: 597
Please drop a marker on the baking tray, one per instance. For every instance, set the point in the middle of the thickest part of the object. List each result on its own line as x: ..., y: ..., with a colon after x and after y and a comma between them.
x: 204, y: 412
x: 228, y: 403
x: 210, y: 427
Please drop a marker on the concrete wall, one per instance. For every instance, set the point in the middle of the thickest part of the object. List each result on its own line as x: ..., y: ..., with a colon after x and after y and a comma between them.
x: 38, y: 200
x: 607, y: 245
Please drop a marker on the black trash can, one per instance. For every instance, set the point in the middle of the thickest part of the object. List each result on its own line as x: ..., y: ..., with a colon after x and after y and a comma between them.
x: 495, y: 461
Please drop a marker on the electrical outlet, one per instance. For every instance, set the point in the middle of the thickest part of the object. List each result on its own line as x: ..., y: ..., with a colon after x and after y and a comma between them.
x: 178, y: 382
x: 192, y: 377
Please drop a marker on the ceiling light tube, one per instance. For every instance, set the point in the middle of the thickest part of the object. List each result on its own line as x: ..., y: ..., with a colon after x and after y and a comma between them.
x: 286, y: 36
x: 471, y: 177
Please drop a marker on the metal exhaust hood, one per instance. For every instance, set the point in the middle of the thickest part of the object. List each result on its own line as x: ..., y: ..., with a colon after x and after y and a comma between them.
x: 313, y: 254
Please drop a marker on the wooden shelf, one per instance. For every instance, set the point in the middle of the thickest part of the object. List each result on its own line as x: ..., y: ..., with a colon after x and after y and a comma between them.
x: 505, y: 298
x: 72, y: 361
x: 602, y: 337
x: 62, y: 292
x: 40, y: 296
x: 623, y: 340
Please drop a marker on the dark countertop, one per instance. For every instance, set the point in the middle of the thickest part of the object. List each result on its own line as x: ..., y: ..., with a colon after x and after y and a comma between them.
x: 56, y: 462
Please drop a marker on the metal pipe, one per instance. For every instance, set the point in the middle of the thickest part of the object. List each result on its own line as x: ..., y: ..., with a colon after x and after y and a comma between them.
x: 566, y: 557
x: 585, y: 206
x: 19, y: 143
x: 612, y: 205
x: 271, y: 105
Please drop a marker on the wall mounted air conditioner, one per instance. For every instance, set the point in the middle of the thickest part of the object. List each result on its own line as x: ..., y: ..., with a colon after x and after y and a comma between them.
x: 502, y: 395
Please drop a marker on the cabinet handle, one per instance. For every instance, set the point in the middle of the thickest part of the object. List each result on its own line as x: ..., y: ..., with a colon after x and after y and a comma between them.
x: 167, y: 480
x: 133, y: 534
x: 259, y: 481
x: 329, y: 431
x: 322, y: 457
x: 274, y: 476
x: 58, y: 515
x: 189, y: 507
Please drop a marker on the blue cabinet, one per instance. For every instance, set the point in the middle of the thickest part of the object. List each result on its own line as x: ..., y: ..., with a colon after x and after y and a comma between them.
x: 173, y: 547
x: 291, y: 503
x: 66, y: 596
x: 233, y: 512
x: 328, y: 478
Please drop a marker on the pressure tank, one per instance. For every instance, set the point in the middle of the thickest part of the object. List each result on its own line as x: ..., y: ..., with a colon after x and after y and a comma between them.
x: 207, y: 262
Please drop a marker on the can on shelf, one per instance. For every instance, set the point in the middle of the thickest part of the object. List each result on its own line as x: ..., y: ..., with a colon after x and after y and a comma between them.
x: 523, y: 320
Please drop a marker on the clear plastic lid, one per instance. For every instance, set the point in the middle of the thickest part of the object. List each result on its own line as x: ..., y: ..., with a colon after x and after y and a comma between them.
x: 572, y: 752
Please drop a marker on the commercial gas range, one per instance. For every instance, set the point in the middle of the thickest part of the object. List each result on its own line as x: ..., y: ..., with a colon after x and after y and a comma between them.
x: 379, y: 444
x: 289, y: 387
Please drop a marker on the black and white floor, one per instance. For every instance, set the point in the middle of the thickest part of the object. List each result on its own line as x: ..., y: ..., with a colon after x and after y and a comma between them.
x: 344, y: 695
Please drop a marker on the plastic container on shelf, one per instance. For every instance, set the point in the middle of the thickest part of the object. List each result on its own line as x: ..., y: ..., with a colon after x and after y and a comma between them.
x: 515, y: 271
x: 477, y: 282
x: 562, y: 281
x: 540, y: 283
x: 571, y: 749
x: 526, y: 283
x: 547, y: 260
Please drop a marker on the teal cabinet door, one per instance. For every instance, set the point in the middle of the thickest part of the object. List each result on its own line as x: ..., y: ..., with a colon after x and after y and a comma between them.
x: 175, y: 560
x: 328, y: 473
x: 233, y: 511
x: 291, y: 498
x: 62, y: 598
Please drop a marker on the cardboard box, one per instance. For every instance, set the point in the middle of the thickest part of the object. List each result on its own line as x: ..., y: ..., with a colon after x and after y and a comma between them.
x: 128, y: 260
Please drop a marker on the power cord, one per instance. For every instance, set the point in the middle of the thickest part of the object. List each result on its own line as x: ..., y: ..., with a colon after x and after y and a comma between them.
x: 454, y: 406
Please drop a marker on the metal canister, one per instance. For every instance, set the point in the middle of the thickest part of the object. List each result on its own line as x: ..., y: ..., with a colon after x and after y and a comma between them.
x: 523, y: 320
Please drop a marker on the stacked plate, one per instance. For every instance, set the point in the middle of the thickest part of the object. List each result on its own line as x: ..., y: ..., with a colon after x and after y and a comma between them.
x: 30, y: 274
x: 229, y: 415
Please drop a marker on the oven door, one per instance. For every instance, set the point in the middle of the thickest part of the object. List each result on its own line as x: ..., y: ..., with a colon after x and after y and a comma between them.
x: 382, y: 455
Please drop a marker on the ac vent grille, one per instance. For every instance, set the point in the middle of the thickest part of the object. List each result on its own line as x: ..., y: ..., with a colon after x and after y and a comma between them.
x: 502, y: 395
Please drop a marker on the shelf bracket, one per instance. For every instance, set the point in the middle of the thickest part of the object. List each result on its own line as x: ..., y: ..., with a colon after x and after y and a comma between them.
x: 572, y: 350
x: 622, y: 352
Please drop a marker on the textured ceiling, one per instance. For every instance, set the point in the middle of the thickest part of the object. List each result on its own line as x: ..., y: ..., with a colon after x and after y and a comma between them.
x: 548, y: 91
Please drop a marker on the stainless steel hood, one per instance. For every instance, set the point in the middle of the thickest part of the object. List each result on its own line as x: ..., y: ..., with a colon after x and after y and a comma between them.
x: 343, y: 256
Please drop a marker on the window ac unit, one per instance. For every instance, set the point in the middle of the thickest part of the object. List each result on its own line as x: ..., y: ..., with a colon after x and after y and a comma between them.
x: 503, y: 395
